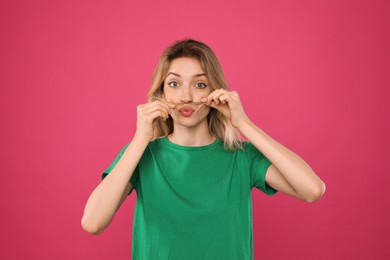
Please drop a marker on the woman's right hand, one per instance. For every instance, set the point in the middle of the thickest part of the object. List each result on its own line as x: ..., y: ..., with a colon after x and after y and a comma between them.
x: 147, y: 115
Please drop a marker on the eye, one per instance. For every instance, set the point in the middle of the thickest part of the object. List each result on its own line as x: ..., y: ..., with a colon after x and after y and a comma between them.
x: 173, y: 84
x: 200, y: 85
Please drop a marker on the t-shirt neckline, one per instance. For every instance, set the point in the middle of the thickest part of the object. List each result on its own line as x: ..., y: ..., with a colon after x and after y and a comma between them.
x: 190, y: 148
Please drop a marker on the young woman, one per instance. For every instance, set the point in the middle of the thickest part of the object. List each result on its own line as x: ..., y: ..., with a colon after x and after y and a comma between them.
x: 192, y: 174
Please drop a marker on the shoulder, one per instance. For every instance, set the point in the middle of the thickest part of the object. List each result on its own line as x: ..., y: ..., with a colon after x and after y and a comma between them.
x: 248, y: 148
x: 158, y: 142
x: 251, y: 151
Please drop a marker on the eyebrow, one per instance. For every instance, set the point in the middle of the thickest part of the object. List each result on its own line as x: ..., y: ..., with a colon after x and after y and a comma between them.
x: 195, y: 76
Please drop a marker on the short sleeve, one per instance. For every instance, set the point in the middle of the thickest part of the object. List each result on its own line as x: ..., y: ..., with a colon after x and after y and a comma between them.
x: 259, y: 165
x: 134, y: 178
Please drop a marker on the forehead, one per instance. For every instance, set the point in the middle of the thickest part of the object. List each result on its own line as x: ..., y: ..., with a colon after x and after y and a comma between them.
x: 185, y: 66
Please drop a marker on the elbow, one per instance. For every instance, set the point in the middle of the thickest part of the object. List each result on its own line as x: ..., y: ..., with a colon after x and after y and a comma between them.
x: 316, y: 192
x: 90, y: 227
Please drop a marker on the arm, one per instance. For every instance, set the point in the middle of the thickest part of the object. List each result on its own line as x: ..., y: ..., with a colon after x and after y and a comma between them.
x: 109, y: 195
x: 288, y: 172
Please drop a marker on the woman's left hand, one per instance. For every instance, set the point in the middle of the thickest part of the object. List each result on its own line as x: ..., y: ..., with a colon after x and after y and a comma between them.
x: 229, y: 104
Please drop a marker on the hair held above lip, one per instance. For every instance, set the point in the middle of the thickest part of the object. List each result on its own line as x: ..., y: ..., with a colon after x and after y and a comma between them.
x: 186, y: 108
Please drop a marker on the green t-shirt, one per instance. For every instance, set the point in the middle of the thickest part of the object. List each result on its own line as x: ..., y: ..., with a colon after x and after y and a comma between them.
x: 195, y: 202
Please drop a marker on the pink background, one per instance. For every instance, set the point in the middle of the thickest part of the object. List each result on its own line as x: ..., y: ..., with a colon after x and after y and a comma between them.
x: 313, y: 74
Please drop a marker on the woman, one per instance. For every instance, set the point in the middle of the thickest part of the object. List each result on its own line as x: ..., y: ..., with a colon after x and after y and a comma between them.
x: 192, y: 174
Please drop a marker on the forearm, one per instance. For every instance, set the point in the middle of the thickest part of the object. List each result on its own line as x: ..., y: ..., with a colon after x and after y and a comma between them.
x: 106, y: 198
x: 294, y: 169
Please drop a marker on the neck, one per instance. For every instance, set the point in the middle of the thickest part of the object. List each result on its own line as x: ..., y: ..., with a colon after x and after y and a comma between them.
x: 194, y: 136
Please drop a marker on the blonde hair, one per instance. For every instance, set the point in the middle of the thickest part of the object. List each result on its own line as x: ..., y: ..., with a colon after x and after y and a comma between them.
x: 219, y: 126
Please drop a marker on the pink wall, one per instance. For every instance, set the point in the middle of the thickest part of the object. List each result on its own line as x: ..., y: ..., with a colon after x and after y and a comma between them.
x: 312, y: 74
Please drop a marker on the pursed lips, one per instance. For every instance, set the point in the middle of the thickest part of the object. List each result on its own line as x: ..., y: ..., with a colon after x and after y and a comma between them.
x: 186, y: 109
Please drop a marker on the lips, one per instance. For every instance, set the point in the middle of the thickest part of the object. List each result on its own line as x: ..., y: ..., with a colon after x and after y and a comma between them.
x: 186, y: 111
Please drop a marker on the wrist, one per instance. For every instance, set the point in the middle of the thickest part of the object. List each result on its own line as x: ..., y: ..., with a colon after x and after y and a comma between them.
x: 243, y: 124
x: 140, y: 138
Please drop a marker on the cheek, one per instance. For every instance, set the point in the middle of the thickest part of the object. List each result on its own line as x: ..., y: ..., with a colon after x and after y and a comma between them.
x: 168, y: 94
x: 204, y: 93
x: 203, y: 111
x: 207, y: 92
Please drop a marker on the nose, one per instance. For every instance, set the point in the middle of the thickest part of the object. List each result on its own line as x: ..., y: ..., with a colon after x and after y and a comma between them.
x: 186, y: 94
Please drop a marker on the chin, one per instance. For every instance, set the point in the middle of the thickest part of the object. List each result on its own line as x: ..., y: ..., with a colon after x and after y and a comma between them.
x: 189, y: 122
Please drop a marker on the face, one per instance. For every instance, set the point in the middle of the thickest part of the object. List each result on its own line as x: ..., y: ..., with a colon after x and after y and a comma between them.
x: 185, y: 84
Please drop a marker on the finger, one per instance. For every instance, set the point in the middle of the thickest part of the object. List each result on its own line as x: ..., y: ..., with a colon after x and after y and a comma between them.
x: 169, y: 104
x: 146, y: 112
x: 219, y: 107
x: 224, y: 98
x: 156, y: 105
x: 216, y: 99
x: 164, y: 113
x: 211, y: 96
x: 151, y: 115
x: 158, y: 113
x: 218, y: 95
x: 158, y: 102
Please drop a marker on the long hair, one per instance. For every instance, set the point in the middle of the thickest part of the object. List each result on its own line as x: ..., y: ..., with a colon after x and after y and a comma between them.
x: 219, y: 126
